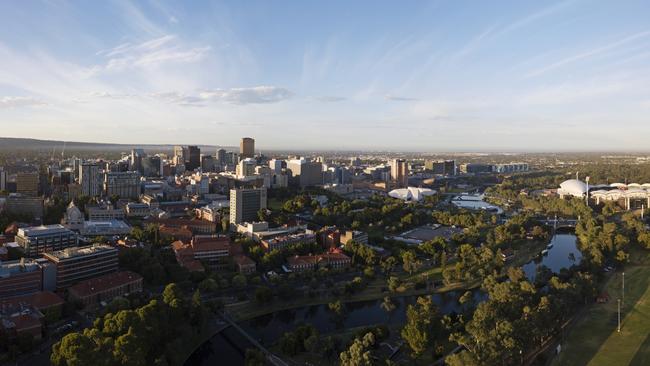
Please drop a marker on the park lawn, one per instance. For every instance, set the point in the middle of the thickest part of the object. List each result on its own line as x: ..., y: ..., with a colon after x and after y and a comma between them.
x: 594, y: 341
x: 274, y: 204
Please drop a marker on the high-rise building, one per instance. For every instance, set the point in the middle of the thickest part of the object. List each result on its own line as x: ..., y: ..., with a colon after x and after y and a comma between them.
x: 152, y: 166
x: 208, y: 163
x: 40, y: 239
x: 246, y: 167
x: 122, y: 184
x: 306, y: 173
x: 181, y: 154
x: 247, y: 148
x: 193, y: 160
x: 221, y: 157
x: 78, y: 264
x: 90, y: 179
x: 27, y: 184
x: 444, y: 167
x: 3, y: 180
x: 399, y: 173
x: 135, y: 162
x: 245, y: 204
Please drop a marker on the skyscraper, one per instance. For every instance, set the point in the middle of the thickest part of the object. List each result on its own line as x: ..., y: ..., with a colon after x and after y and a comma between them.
x: 27, y: 184
x: 193, y: 160
x: 399, y: 173
x: 181, y: 154
x: 122, y: 184
x: 221, y: 157
x: 3, y: 179
x: 136, y: 160
x: 247, y: 148
x: 306, y: 173
x: 245, y: 203
x: 90, y: 179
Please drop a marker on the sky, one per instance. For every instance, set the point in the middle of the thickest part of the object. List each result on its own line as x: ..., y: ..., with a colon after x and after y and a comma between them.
x: 410, y: 75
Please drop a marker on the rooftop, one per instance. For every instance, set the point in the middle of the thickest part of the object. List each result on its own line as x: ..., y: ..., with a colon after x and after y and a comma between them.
x: 43, y: 230
x: 104, y: 283
x: 80, y: 251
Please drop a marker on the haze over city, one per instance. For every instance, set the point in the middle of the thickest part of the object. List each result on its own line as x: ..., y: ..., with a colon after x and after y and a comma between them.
x: 418, y: 76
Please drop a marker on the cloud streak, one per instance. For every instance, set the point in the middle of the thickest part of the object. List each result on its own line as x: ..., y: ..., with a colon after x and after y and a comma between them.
x: 17, y: 102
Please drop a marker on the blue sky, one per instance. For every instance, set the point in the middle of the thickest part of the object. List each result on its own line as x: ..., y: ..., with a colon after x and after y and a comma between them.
x: 409, y: 75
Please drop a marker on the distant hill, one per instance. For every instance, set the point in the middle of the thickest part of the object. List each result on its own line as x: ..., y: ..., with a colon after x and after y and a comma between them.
x: 11, y: 143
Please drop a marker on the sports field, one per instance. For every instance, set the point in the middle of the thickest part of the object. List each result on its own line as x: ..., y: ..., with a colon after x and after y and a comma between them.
x: 594, y: 340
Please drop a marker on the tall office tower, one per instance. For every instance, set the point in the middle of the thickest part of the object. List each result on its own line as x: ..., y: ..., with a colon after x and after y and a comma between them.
x: 399, y: 173
x: 221, y: 157
x: 27, y: 184
x: 193, y: 159
x: 276, y: 165
x: 3, y: 179
x: 90, y: 179
x: 246, y: 167
x: 245, y: 203
x: 135, y: 162
x: 122, y: 184
x: 247, y: 148
x: 152, y: 166
x: 207, y: 163
x: 307, y: 173
x: 181, y: 154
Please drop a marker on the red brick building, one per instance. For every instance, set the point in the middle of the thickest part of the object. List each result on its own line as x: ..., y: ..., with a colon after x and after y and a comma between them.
x: 106, y: 288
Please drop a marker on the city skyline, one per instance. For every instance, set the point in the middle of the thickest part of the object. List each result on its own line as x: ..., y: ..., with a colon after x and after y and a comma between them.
x: 434, y: 76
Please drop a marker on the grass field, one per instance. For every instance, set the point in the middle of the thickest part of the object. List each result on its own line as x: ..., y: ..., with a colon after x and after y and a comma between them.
x: 594, y: 340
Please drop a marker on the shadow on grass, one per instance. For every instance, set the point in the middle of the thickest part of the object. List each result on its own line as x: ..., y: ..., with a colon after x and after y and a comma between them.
x: 642, y: 356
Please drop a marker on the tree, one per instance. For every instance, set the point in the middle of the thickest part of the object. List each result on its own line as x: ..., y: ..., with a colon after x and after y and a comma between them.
x: 263, y: 295
x: 388, y: 304
x: 359, y: 353
x: 172, y: 293
x: 388, y: 264
x: 336, y: 307
x: 239, y: 281
x: 421, y: 325
x: 410, y: 261
x: 74, y: 349
x: 129, y: 350
x: 393, y: 283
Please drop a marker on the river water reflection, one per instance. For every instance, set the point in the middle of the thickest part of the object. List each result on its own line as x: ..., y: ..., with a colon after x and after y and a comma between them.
x: 562, y: 254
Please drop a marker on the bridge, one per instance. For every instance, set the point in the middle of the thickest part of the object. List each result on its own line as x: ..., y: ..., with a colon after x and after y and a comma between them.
x: 273, y: 359
x: 559, y: 223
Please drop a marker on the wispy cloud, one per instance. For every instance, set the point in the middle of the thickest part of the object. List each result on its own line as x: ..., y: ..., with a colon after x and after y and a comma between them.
x: 167, y: 48
x: 400, y: 99
x: 15, y: 102
x: 589, y: 53
x: 254, y: 95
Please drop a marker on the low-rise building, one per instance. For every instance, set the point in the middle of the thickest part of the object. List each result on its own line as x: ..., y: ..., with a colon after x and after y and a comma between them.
x: 358, y: 236
x: 40, y: 239
x: 20, y: 277
x: 135, y: 209
x: 105, y: 288
x: 213, y: 250
x: 244, y: 264
x: 77, y: 264
x: 105, y: 228
x: 104, y: 213
x: 283, y: 241
x: 335, y: 260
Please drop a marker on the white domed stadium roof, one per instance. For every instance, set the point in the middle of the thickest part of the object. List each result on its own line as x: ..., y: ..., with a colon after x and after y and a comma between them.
x: 411, y: 193
x: 573, y: 187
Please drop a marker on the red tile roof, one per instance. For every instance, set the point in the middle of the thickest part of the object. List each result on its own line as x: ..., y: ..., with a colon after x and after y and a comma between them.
x: 104, y: 283
x: 210, y: 243
x: 40, y: 300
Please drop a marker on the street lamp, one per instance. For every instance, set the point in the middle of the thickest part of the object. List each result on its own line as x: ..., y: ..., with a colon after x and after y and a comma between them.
x: 619, y: 316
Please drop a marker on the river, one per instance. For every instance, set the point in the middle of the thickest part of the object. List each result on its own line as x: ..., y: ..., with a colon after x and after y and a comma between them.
x: 228, y: 347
